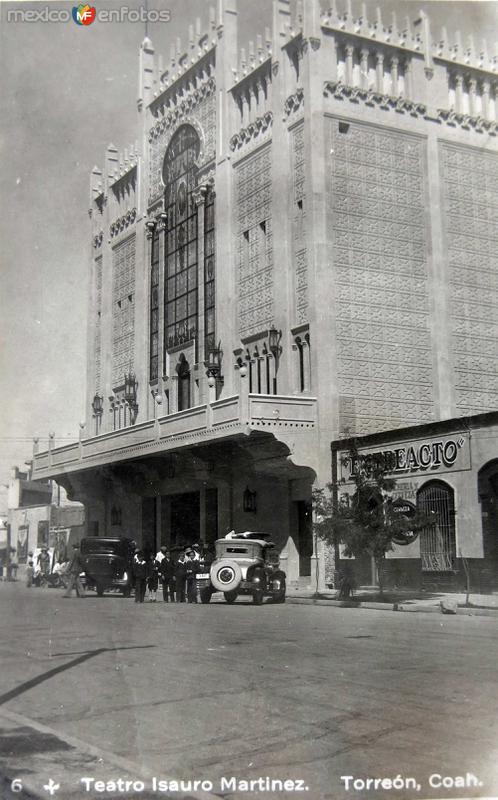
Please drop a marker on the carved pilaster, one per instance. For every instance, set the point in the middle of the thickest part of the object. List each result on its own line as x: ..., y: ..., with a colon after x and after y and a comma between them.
x: 472, y: 96
x: 486, y: 108
x: 459, y: 93
x: 394, y: 76
x: 349, y: 64
x: 364, y: 68
x: 379, y: 72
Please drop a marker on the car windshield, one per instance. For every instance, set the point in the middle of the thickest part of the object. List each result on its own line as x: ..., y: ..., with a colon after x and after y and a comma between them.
x: 101, y: 546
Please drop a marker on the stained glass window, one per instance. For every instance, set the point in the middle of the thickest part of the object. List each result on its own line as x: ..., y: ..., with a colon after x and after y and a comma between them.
x: 154, y: 307
x: 180, y: 288
x: 209, y: 274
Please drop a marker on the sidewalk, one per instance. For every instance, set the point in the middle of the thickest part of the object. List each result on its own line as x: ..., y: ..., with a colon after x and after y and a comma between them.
x: 485, y: 605
x: 38, y: 762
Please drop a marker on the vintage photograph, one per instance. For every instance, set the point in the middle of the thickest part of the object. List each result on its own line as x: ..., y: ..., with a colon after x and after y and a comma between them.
x: 249, y: 441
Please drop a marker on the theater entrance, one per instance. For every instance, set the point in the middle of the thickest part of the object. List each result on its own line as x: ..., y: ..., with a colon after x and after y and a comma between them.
x: 185, y: 518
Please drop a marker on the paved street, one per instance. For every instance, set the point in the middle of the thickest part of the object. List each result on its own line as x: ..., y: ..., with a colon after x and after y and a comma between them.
x: 286, y: 692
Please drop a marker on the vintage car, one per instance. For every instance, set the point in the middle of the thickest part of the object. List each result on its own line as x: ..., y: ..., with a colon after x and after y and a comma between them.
x: 107, y: 564
x: 243, y: 565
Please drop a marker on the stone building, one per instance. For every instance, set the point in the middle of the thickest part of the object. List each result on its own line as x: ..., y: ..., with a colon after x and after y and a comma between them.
x: 39, y: 515
x: 302, y: 245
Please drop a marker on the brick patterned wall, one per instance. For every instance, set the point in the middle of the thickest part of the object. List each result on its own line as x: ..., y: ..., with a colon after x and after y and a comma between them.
x: 470, y: 183
x: 254, y: 247
x: 376, y: 207
x: 300, y: 255
x: 97, y: 341
x: 123, y: 309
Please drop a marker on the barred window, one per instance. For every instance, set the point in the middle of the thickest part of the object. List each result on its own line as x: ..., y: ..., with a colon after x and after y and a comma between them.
x: 437, y: 541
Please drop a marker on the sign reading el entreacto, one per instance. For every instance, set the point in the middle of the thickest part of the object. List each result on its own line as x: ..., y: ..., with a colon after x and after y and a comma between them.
x: 441, y: 454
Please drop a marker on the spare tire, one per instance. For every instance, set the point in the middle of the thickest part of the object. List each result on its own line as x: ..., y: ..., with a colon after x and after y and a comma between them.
x: 225, y: 575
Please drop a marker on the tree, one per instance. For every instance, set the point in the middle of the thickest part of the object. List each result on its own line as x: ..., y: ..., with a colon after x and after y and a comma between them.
x: 365, y: 521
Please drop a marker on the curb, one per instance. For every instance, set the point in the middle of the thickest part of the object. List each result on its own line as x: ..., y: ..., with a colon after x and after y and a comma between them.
x: 401, y: 607
x: 102, y: 760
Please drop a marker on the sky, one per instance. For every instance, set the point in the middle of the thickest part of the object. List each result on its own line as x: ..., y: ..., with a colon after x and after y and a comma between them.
x: 66, y: 92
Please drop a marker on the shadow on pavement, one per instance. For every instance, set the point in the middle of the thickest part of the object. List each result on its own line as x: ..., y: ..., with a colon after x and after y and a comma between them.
x: 24, y: 687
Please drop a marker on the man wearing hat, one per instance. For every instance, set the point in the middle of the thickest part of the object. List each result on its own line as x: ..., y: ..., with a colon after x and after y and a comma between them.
x: 76, y: 567
x: 191, y: 564
x: 167, y: 573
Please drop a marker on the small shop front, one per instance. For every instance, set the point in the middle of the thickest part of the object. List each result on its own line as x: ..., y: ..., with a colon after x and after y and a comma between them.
x: 448, y: 470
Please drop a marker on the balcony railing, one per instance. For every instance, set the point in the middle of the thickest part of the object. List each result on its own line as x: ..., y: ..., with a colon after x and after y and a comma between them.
x: 223, y: 419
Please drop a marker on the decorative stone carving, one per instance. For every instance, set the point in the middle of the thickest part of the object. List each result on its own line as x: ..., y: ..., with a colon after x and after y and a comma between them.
x: 470, y: 180
x: 123, y: 222
x: 341, y: 91
x: 97, y: 341
x: 123, y: 309
x: 98, y: 239
x: 300, y: 254
x: 255, y: 246
x: 254, y: 131
x: 376, y: 198
x: 294, y: 103
x: 200, y: 112
x: 467, y: 122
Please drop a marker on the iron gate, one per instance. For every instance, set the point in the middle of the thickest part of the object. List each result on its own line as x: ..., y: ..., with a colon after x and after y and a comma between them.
x: 437, y: 542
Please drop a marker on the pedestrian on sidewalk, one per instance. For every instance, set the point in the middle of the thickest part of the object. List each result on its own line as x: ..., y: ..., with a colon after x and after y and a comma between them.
x: 76, y: 567
x: 140, y: 575
x: 191, y: 565
x: 167, y: 573
x: 180, y: 578
x: 30, y: 572
x: 152, y: 578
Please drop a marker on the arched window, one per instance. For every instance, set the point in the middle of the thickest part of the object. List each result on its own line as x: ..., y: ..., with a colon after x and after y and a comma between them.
x: 183, y: 370
x: 487, y: 485
x: 181, y: 252
x: 437, y: 541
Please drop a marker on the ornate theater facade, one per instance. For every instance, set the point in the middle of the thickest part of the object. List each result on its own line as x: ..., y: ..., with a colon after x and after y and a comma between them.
x: 300, y: 248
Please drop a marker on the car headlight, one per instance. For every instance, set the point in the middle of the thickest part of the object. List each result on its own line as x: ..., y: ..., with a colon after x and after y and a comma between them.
x: 125, y: 576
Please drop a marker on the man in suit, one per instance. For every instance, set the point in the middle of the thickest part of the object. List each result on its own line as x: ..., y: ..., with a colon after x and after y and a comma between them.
x: 76, y: 567
x: 167, y: 573
x: 180, y: 578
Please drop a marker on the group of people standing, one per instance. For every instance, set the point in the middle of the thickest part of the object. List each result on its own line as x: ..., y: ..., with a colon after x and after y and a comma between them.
x: 178, y: 576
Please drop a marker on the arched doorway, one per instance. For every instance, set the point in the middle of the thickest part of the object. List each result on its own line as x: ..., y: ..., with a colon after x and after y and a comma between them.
x: 437, y: 541
x: 487, y: 487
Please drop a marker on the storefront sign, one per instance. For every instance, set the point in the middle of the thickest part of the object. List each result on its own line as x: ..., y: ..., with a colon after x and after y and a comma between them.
x: 436, y: 455
x: 407, y: 510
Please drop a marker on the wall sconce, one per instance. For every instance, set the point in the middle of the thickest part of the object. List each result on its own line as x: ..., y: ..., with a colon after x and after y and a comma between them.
x: 214, y: 359
x: 130, y: 392
x: 213, y: 365
x: 274, y: 338
x: 98, y: 405
x: 243, y: 371
x: 249, y: 501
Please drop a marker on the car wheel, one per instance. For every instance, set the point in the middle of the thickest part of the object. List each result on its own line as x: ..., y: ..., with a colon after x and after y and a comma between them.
x: 257, y: 597
x: 127, y: 591
x: 99, y: 589
x: 231, y: 597
x: 205, y: 595
x: 225, y: 574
